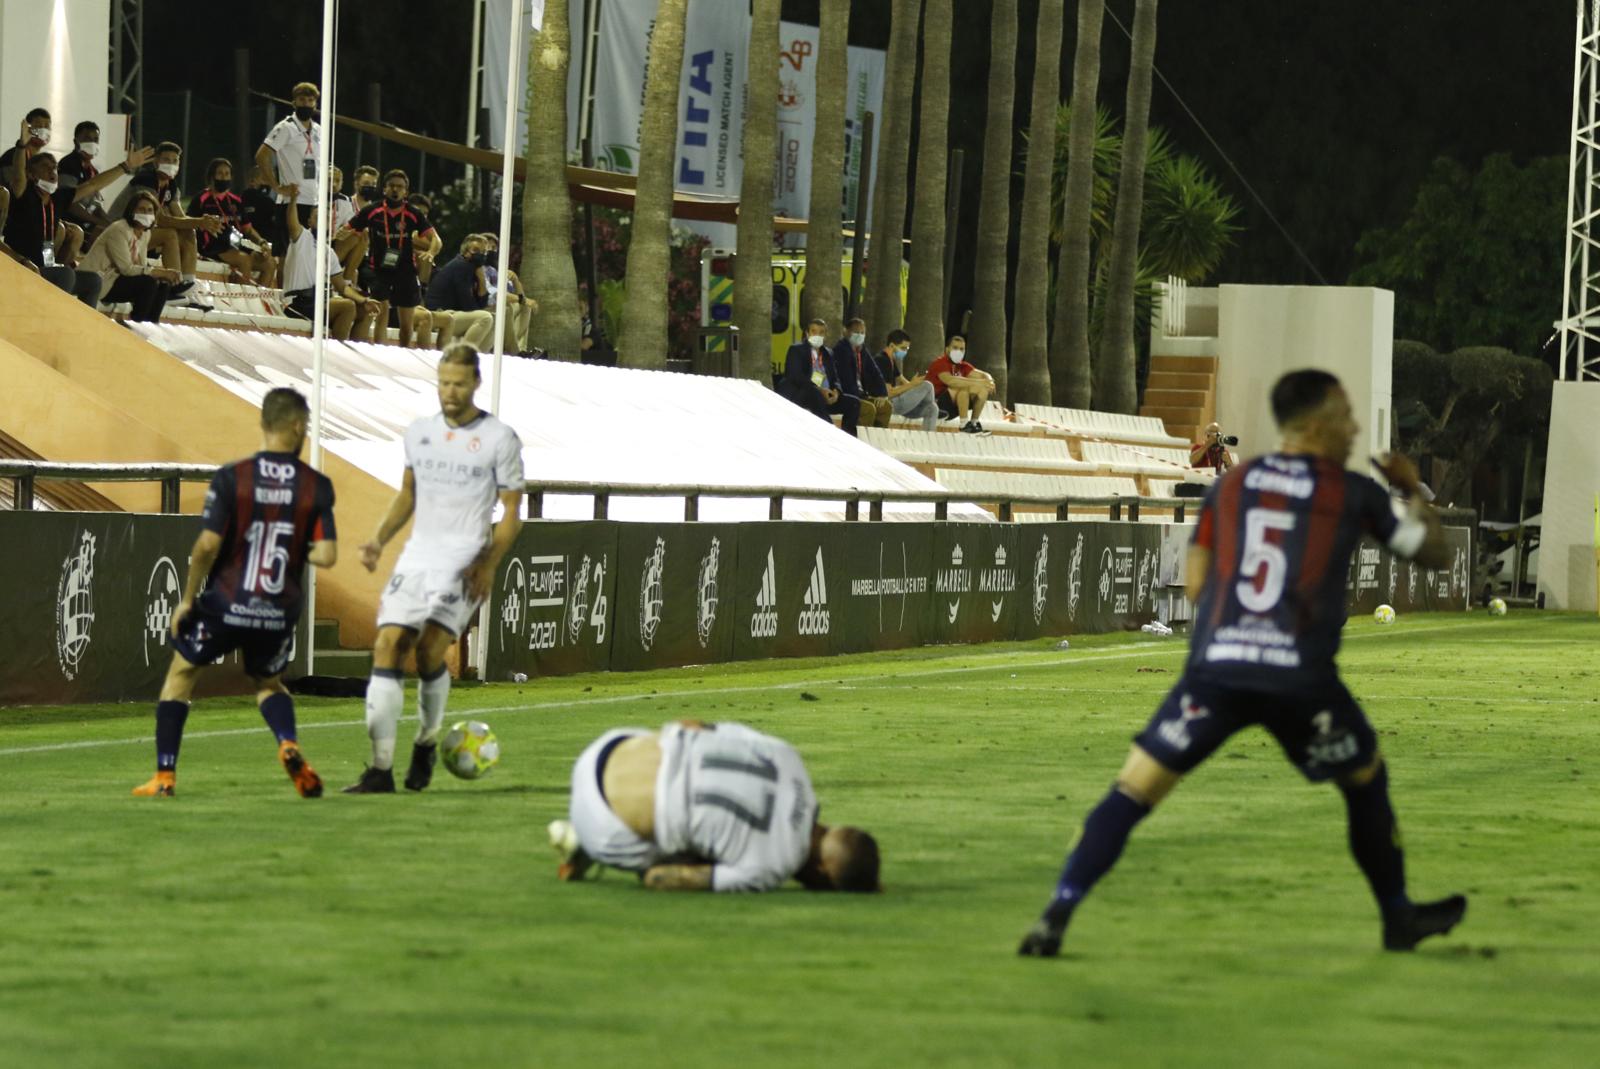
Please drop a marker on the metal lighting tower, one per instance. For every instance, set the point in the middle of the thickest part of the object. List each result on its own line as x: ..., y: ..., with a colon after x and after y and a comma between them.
x: 127, y: 63
x: 1580, y: 305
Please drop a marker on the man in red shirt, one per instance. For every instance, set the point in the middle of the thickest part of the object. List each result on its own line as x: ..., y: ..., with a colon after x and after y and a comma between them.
x: 958, y: 387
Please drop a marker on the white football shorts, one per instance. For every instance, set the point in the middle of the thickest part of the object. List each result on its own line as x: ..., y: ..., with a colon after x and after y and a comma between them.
x: 418, y: 597
x: 601, y: 833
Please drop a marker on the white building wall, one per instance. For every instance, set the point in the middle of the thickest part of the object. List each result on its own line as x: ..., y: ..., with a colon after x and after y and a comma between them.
x: 56, y: 54
x: 1265, y: 331
x: 1567, y: 561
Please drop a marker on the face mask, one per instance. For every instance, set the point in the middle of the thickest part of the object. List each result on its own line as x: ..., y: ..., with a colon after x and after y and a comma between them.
x: 957, y: 355
x: 90, y: 149
x: 815, y: 340
x: 303, y: 113
x: 41, y: 134
x: 144, y: 219
x: 221, y: 185
x: 479, y: 258
x: 46, y: 187
x: 168, y: 169
x: 900, y: 354
x: 368, y: 193
x: 858, y: 340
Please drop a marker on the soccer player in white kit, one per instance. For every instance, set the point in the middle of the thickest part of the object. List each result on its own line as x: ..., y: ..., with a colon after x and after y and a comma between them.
x: 458, y: 463
x: 706, y: 807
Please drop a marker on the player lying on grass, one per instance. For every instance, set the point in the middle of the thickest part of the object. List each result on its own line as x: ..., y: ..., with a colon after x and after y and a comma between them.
x: 460, y: 462
x: 1266, y: 574
x: 706, y: 807
x: 265, y: 518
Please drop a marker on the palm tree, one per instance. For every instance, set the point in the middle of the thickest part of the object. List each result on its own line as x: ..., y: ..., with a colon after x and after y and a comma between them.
x: 925, y: 291
x: 1069, y: 356
x: 1115, y: 386
x: 644, y: 318
x: 889, y: 196
x: 994, y: 207
x: 547, y: 269
x: 822, y: 297
x: 752, y: 290
x: 1030, y: 359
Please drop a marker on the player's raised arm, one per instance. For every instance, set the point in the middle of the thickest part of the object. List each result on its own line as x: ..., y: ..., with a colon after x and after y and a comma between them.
x: 1415, y: 533
x: 400, y: 509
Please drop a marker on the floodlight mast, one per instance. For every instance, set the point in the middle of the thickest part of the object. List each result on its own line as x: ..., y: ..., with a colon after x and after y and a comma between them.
x: 1579, y: 325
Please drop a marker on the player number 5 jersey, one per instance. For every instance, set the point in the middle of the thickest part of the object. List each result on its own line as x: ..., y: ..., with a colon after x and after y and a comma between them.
x: 459, y: 473
x: 737, y: 798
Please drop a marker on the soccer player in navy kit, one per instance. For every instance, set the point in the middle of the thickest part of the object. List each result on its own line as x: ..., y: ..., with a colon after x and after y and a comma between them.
x: 1266, y: 574
x: 265, y: 518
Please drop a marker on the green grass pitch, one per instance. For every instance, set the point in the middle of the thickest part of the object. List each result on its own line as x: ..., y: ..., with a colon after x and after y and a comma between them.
x: 237, y: 925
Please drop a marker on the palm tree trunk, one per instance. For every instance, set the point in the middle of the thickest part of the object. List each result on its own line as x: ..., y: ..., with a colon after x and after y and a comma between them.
x: 1069, y: 355
x: 925, y: 291
x: 1030, y: 358
x: 1115, y: 386
x: 994, y: 206
x: 752, y: 288
x: 547, y: 268
x: 889, y: 195
x: 644, y: 318
x: 822, y: 297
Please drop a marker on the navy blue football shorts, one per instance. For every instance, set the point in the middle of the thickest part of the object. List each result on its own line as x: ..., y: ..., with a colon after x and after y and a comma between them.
x: 204, y: 639
x: 1323, y: 732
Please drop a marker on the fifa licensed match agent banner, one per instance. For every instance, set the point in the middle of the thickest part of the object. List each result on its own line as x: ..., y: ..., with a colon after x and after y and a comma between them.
x: 552, y: 607
x: 89, y: 598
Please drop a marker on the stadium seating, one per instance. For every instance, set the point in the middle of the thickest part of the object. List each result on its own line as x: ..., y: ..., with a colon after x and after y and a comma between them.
x: 1147, y: 460
x: 1010, y: 452
x: 1110, y: 426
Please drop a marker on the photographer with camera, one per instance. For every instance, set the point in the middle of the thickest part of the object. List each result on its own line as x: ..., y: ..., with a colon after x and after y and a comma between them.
x: 1212, y: 450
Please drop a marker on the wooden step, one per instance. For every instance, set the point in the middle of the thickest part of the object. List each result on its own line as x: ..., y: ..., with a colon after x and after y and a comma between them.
x: 1195, y: 399
x: 1172, y: 416
x: 1178, y: 380
x: 1185, y: 364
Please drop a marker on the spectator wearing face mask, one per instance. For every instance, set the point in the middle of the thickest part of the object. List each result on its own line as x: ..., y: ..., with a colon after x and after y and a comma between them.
x: 394, y: 230
x: 14, y: 161
x: 859, y: 376
x: 959, y: 387
x: 290, y: 153
x: 520, y: 308
x: 811, y: 379
x: 911, y: 397
x: 37, y: 233
x: 76, y: 168
x: 351, y: 245
x: 219, y: 199
x: 258, y: 214
x: 174, y: 235
x: 458, y: 297
x: 119, y: 259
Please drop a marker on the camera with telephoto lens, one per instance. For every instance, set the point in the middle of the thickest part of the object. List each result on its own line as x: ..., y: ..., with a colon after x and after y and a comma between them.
x: 1226, y: 439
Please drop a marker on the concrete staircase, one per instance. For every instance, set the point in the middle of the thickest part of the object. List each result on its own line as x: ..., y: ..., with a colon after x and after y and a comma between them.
x: 333, y: 659
x: 1182, y: 393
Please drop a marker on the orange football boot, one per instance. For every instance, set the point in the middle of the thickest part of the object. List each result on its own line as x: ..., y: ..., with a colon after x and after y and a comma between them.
x: 306, y: 780
x: 161, y: 785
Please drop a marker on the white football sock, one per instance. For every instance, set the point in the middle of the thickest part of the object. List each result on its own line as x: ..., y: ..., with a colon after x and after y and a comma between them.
x: 431, y: 696
x: 386, y: 696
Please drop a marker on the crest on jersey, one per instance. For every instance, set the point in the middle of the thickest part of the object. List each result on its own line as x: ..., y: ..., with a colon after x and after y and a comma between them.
x: 75, y: 605
x: 705, y: 614
x: 650, y: 594
x: 161, y: 597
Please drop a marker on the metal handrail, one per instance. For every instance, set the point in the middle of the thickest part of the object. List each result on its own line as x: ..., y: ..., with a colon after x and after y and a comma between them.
x: 25, y: 473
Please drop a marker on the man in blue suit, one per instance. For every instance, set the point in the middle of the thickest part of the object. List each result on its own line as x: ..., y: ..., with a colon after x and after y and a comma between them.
x: 811, y: 379
x: 859, y: 376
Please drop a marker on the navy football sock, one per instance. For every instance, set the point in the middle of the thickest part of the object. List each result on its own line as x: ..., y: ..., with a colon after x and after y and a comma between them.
x: 278, y: 712
x: 1375, y: 840
x: 170, y: 717
x: 1105, y: 831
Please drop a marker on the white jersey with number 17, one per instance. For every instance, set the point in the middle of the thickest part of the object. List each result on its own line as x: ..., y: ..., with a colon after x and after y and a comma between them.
x: 459, y: 473
x: 740, y: 799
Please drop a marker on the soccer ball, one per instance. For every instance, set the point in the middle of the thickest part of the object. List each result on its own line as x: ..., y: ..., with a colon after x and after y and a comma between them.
x: 1497, y: 606
x: 1383, y: 614
x: 470, y: 749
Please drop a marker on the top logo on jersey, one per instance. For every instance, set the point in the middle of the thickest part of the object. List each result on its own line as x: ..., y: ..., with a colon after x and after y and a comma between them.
x: 276, y: 470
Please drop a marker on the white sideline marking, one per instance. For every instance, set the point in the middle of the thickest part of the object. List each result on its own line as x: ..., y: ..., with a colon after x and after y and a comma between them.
x: 1139, y: 649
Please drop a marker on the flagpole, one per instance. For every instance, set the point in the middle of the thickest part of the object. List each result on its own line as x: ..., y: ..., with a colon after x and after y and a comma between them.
x: 320, y: 292
x: 508, y: 143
